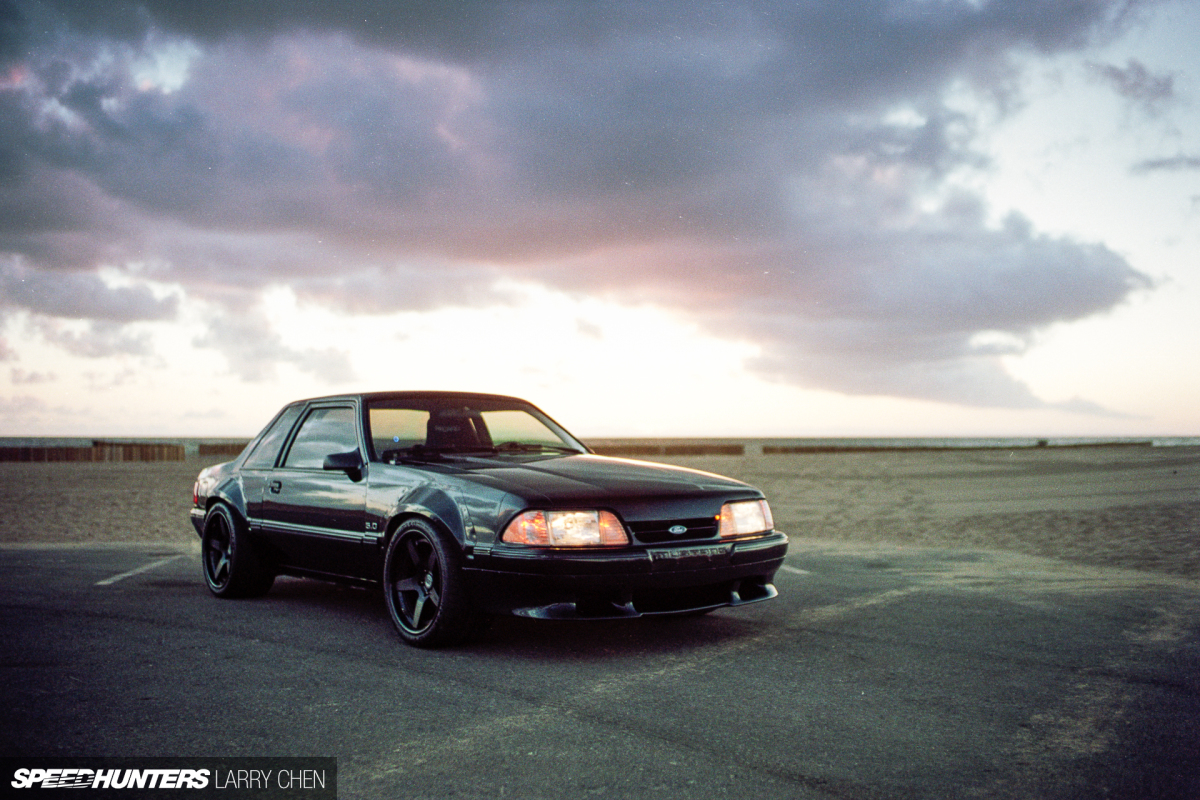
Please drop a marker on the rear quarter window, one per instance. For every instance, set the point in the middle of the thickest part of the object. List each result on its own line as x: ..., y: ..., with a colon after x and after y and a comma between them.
x: 265, y: 452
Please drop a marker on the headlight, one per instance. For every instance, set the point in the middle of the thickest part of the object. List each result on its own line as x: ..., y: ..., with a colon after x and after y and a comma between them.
x: 745, y: 518
x: 566, y: 529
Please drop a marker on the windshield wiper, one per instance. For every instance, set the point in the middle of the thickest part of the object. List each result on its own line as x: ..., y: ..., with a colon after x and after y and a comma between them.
x: 422, y: 452
x: 532, y: 447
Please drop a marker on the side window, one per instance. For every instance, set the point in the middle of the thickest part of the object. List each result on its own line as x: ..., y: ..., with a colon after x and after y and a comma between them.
x: 325, y: 431
x: 264, y: 453
x: 396, y: 428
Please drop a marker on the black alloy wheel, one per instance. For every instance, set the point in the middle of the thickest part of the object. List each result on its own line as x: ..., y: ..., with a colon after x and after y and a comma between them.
x: 232, y: 568
x: 424, y: 586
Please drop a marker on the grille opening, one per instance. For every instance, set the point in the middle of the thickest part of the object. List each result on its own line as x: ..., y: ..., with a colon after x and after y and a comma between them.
x: 659, y: 531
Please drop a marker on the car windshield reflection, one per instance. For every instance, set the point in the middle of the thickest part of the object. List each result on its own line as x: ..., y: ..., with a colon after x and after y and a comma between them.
x: 423, y: 430
x: 424, y: 452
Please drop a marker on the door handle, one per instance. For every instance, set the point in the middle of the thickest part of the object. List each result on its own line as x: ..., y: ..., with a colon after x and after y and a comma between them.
x: 276, y: 487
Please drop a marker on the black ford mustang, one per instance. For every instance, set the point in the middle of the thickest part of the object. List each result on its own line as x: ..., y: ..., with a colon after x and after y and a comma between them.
x: 463, y: 505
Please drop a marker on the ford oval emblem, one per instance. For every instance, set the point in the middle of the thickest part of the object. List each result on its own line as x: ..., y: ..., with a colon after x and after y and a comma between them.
x: 676, y: 530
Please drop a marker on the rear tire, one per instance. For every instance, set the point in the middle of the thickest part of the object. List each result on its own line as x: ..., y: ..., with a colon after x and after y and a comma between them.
x: 232, y: 565
x: 425, y: 589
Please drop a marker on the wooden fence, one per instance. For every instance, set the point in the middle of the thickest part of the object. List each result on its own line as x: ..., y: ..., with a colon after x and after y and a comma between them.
x: 99, y: 451
x: 223, y: 448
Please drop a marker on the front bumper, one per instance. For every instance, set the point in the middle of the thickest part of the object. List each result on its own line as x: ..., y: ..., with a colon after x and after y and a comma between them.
x: 680, y: 579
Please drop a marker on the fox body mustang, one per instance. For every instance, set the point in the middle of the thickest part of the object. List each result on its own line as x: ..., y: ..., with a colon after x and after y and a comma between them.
x: 463, y: 505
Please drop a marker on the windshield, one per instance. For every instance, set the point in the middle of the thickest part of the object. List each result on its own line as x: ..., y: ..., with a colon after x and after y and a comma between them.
x: 422, y: 428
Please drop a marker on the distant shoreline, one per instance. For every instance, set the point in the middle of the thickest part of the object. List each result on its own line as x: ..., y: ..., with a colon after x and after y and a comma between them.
x: 84, y: 449
x: 768, y: 447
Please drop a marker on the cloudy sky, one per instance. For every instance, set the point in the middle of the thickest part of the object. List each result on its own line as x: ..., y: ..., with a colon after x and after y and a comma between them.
x: 789, y: 217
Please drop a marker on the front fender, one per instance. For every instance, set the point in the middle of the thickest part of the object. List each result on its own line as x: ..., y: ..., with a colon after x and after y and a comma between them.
x: 433, y: 504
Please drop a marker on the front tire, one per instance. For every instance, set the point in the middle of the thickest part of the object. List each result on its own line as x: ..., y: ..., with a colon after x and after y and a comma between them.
x: 424, y: 586
x: 232, y: 565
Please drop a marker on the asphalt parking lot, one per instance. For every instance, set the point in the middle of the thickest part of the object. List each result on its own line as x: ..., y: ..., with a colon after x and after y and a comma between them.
x: 878, y: 673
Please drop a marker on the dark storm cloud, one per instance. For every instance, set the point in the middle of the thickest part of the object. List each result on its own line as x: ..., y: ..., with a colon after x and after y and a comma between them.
x: 1178, y: 163
x: 80, y: 296
x: 1137, y: 84
x: 758, y: 164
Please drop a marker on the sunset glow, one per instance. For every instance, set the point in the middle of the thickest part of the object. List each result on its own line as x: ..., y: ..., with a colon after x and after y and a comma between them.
x: 748, y: 219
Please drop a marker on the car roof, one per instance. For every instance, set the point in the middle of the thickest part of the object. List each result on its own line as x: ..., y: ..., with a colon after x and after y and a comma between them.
x: 412, y: 395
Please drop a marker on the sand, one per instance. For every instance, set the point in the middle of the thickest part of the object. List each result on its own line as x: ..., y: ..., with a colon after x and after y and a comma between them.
x: 1129, y: 507
x: 98, y: 502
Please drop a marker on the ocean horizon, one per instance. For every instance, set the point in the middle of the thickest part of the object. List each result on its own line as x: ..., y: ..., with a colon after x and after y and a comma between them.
x: 706, y: 445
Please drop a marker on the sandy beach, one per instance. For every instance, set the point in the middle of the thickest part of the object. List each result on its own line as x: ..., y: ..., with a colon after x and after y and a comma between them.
x: 1129, y: 507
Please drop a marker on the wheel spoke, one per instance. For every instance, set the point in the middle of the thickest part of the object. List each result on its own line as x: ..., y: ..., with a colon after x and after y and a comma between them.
x: 221, y: 568
x: 414, y: 557
x: 218, y: 552
x: 418, y: 607
x: 407, y: 585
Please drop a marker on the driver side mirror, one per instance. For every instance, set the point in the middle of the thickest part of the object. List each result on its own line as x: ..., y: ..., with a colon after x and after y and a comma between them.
x: 350, y: 463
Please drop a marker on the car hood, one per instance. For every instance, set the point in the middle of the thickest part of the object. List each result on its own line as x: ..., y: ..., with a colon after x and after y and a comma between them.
x: 599, y: 478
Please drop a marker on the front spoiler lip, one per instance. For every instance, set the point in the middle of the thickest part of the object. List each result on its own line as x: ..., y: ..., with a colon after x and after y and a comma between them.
x: 570, y: 611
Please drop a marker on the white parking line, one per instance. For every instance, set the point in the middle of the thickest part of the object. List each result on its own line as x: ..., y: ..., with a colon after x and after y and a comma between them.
x: 794, y: 570
x: 139, y: 570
